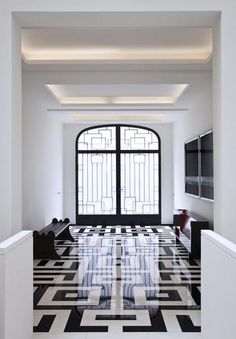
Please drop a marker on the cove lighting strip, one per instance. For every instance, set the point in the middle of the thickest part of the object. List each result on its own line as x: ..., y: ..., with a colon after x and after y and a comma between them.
x: 201, y: 55
x: 117, y: 117
x: 117, y: 100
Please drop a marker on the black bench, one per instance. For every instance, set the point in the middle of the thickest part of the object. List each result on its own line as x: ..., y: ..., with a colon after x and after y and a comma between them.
x: 44, y: 239
x: 188, y: 228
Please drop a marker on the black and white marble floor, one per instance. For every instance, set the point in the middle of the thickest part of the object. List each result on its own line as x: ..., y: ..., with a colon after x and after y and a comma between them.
x: 118, y: 279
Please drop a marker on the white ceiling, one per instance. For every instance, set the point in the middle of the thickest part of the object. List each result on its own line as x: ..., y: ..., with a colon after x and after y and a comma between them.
x: 95, y: 45
x: 104, y: 18
x: 178, y: 45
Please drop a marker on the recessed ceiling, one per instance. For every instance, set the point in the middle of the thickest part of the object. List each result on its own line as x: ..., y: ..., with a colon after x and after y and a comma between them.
x: 158, y: 94
x: 92, y: 47
x: 122, y: 44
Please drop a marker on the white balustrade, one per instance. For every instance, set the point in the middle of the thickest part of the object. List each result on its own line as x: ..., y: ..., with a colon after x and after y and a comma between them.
x: 16, y: 286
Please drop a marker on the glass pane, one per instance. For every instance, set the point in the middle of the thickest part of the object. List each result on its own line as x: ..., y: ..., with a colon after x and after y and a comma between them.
x: 103, y: 138
x: 133, y: 138
x: 140, y: 183
x: 97, y: 183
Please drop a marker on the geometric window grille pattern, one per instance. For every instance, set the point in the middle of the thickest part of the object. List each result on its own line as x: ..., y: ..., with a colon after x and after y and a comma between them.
x: 96, y: 189
x: 102, y: 138
x: 133, y: 138
x: 118, y: 171
x: 139, y: 183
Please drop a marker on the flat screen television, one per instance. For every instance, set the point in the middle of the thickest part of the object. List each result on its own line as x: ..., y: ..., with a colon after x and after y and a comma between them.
x: 206, y: 170
x: 192, y: 167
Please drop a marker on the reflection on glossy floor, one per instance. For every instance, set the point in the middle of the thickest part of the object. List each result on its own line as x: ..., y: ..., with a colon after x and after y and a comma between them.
x: 123, y: 279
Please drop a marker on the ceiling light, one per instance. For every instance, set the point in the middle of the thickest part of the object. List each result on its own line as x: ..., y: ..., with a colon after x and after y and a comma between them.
x: 117, y: 100
x: 84, y: 101
x: 116, y: 54
x: 143, y: 100
x: 117, y: 117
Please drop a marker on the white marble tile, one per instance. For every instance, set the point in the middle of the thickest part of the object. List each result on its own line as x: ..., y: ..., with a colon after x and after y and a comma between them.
x: 93, y: 296
x: 120, y: 272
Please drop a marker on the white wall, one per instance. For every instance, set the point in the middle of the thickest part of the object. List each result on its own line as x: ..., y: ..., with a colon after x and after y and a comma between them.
x: 165, y: 132
x: 224, y: 89
x: 42, y: 155
x: 10, y: 127
x: 189, y: 125
x: 225, y: 188
x: 42, y: 142
x: 218, y: 282
x: 42, y: 146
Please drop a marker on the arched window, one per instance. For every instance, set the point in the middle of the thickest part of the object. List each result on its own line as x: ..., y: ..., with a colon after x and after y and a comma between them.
x: 118, y: 175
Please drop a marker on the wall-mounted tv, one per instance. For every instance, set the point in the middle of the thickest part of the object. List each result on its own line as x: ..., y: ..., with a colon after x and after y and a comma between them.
x: 192, y: 167
x: 199, y: 166
x: 206, y: 154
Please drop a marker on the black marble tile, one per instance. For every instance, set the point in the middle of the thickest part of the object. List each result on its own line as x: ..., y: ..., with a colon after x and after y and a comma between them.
x: 42, y: 263
x: 157, y: 324
x: 103, y: 269
x: 74, y: 320
x: 186, y: 324
x: 116, y: 317
x: 173, y: 295
x: 45, y: 323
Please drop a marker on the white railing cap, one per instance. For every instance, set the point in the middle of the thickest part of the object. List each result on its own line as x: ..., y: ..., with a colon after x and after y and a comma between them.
x: 227, y: 246
x: 8, y: 245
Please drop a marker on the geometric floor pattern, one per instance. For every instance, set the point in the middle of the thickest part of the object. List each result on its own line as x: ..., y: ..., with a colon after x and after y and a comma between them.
x: 132, y: 279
